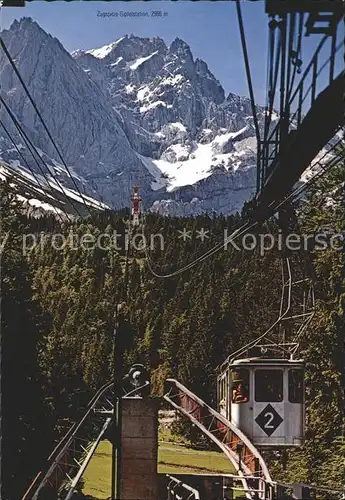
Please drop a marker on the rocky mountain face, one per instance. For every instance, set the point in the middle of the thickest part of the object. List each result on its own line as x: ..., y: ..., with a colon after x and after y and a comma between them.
x: 134, y: 111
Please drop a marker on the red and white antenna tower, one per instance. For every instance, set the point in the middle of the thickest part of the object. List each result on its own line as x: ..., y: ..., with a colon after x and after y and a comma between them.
x: 136, y: 206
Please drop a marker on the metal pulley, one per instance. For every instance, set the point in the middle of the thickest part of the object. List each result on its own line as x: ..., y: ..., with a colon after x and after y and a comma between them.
x: 137, y: 376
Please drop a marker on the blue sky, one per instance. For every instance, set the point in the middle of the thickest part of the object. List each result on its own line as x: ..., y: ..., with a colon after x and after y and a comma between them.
x: 210, y: 28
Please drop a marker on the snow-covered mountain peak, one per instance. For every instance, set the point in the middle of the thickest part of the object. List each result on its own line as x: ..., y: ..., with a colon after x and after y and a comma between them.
x: 134, y: 111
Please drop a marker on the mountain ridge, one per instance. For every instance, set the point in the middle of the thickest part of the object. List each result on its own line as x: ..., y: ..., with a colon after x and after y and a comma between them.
x: 134, y: 111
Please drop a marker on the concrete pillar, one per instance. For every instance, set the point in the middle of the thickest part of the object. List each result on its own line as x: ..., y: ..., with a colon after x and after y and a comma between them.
x: 139, y: 449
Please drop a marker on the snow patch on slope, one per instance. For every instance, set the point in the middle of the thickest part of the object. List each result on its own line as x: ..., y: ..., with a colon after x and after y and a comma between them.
x: 184, y: 173
x: 172, y: 80
x: 178, y: 125
x: 153, y: 105
x: 142, y: 93
x: 223, y: 138
x: 118, y: 60
x: 102, y: 52
x: 199, y: 164
x: 139, y: 61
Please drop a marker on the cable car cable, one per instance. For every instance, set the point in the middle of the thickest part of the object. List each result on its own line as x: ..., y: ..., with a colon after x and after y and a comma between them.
x: 238, y: 232
x: 298, y: 59
x: 291, y: 37
x: 246, y: 62
x: 323, y: 169
x: 221, y: 245
x: 282, y: 315
x: 308, y: 316
x: 268, y: 82
x: 272, y: 91
x: 231, y: 237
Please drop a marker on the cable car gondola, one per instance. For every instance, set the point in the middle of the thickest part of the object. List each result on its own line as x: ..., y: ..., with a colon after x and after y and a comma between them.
x: 264, y: 398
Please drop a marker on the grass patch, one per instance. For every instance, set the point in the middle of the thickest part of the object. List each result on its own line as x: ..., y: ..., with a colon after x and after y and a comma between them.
x: 179, y: 459
x: 97, y: 477
x: 172, y: 458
